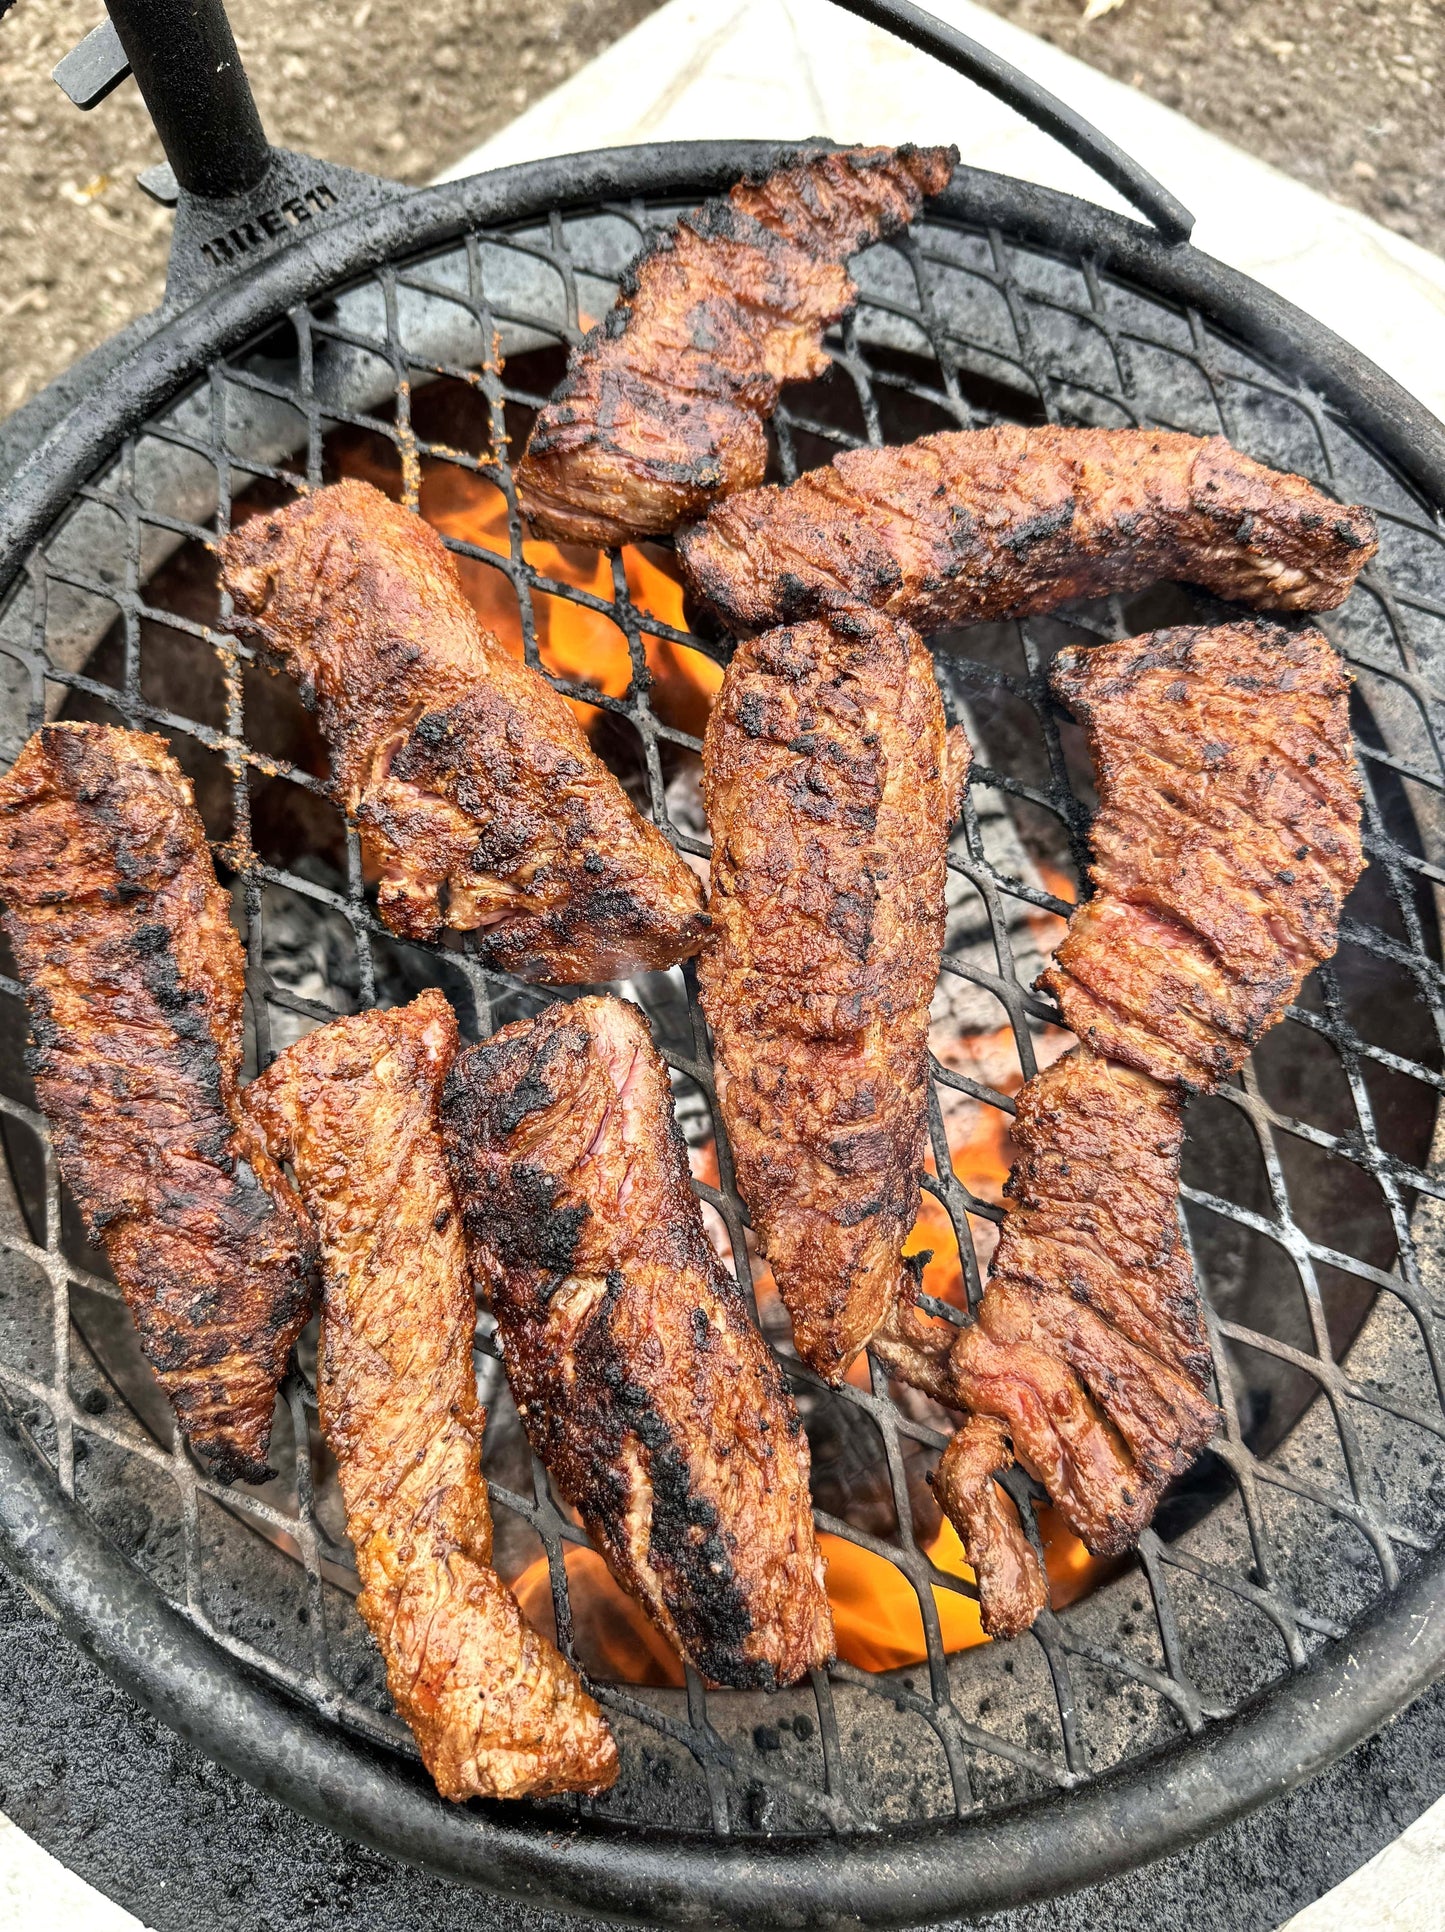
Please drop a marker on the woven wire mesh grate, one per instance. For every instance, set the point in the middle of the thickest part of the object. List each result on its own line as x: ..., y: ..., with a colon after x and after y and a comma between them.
x: 1311, y: 1184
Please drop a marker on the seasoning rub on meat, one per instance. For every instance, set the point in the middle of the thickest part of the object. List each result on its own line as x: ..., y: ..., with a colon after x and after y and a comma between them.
x: 134, y: 978
x: 1087, y: 1352
x: 981, y: 524
x: 1226, y: 842
x: 643, y: 1385
x: 1227, y: 837
x: 663, y: 404
x: 481, y: 804
x: 353, y: 1107
x: 831, y: 783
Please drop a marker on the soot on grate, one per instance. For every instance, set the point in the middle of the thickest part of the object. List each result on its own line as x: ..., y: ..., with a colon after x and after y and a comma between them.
x: 1302, y: 1179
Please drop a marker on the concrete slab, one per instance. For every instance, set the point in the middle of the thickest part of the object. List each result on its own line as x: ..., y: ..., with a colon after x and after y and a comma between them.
x: 38, y: 1894
x: 780, y: 69
x: 1402, y: 1889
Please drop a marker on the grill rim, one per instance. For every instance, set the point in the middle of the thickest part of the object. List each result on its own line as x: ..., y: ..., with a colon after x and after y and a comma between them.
x: 1401, y: 426
x: 1032, y: 1852
x: 1156, y: 1805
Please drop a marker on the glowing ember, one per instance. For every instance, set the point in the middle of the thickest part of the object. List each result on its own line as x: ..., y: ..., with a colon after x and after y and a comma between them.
x: 613, y: 1639
x: 981, y: 1149
x: 573, y: 641
x: 875, y: 1608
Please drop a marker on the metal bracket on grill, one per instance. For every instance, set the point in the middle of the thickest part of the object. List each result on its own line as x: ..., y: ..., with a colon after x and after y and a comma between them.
x: 94, y: 68
x: 237, y: 199
x: 217, y: 237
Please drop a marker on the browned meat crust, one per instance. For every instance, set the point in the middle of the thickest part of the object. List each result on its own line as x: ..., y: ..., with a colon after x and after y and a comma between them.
x: 990, y: 523
x: 1091, y: 1271
x: 644, y: 1387
x: 134, y: 978
x: 663, y: 405
x: 353, y: 1107
x: 1012, y: 1588
x: 1088, y: 1346
x: 831, y: 783
x: 1226, y: 842
x: 481, y: 804
x: 1227, y: 839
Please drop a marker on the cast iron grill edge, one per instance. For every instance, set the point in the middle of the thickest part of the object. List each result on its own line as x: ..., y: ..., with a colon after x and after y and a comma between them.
x: 1065, y: 211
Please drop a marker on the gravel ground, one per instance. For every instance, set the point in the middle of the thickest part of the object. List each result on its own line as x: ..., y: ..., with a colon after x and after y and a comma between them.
x: 1349, y: 95
x: 399, y: 89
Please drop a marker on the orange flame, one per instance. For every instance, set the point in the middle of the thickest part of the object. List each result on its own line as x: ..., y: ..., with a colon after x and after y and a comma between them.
x: 1049, y: 927
x: 573, y: 640
x: 876, y: 1613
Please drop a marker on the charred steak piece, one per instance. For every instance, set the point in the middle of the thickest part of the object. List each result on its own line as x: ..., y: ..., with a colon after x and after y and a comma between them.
x: 134, y: 978
x: 1227, y: 839
x: 831, y: 783
x: 481, y: 804
x: 643, y: 1385
x: 988, y: 523
x: 1091, y: 1275
x: 1088, y: 1347
x: 663, y: 404
x: 1226, y: 842
x: 1012, y: 1588
x: 353, y: 1107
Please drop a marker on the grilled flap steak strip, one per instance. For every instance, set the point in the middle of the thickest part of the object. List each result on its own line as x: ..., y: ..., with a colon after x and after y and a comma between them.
x: 644, y: 1387
x: 663, y: 404
x: 1087, y: 1348
x: 481, y: 804
x: 989, y: 523
x: 1012, y: 1587
x: 497, y: 1712
x: 134, y: 979
x: 831, y: 782
x: 1226, y: 842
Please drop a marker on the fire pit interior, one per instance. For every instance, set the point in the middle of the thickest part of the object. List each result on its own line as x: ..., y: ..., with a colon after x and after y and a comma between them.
x: 1309, y: 1181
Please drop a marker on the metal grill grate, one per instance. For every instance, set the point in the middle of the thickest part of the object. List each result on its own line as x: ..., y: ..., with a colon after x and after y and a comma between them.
x: 1311, y: 1182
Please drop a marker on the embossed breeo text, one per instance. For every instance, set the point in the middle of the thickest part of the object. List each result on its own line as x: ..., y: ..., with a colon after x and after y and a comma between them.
x: 256, y: 230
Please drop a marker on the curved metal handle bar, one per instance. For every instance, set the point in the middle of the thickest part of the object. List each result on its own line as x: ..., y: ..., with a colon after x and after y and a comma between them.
x: 1007, y: 84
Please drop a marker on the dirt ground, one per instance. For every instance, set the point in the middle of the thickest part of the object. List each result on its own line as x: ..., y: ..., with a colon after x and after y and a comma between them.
x: 399, y: 89
x: 1347, y: 94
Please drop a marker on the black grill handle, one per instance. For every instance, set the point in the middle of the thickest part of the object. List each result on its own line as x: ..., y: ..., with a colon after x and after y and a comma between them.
x: 183, y: 55
x: 1007, y: 84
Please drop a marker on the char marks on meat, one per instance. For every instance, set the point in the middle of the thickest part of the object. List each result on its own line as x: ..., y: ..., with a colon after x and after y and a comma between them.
x: 1012, y: 1588
x: 481, y: 805
x: 1226, y: 841
x: 1091, y: 1277
x: 663, y: 404
x: 980, y: 524
x: 134, y: 979
x: 642, y: 1384
x: 353, y: 1107
x: 1088, y: 1347
x: 831, y: 784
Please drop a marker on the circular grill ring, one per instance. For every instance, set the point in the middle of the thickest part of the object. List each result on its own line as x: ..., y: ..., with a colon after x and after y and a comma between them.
x: 1158, y: 1806
x: 1100, y: 1828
